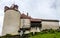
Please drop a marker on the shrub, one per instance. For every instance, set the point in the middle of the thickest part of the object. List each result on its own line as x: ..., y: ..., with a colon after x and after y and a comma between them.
x: 10, y: 36
x: 51, y: 31
x: 48, y: 31
x: 45, y: 31
x: 58, y: 30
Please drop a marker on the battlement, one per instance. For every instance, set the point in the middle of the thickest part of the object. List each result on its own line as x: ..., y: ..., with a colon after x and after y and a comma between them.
x: 13, y: 7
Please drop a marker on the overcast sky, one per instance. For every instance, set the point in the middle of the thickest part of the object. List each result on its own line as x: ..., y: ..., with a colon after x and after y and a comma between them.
x: 47, y: 9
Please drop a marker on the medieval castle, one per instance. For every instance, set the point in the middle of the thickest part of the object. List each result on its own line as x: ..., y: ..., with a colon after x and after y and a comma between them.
x: 14, y: 20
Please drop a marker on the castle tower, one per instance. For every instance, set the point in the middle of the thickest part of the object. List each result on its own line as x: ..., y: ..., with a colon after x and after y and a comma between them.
x: 11, y: 20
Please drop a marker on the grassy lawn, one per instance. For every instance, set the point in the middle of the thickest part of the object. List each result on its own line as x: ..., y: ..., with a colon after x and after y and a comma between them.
x: 43, y: 34
x: 47, y: 35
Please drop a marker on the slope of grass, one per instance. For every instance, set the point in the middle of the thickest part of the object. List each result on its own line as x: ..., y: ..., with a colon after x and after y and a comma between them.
x: 47, y: 35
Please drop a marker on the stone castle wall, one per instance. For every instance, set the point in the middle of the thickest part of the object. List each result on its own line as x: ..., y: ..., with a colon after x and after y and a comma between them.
x: 11, y: 22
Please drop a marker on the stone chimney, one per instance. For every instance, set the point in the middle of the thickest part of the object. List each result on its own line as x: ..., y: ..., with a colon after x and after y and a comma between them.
x: 27, y: 14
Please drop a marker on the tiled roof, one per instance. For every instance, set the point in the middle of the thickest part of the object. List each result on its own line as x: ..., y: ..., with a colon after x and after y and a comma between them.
x: 34, y: 19
x: 23, y: 16
x: 50, y: 20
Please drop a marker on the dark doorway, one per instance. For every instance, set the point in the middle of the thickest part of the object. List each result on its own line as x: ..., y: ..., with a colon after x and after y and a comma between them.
x: 36, y: 24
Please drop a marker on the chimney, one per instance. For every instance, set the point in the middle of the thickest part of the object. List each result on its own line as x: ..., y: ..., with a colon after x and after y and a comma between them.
x: 27, y: 14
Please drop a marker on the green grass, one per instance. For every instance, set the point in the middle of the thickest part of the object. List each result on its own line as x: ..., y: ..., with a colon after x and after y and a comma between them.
x: 43, y: 34
x: 47, y: 35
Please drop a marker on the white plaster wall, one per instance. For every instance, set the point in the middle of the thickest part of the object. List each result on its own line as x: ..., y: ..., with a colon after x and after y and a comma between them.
x: 26, y: 23
x: 35, y: 29
x: 11, y: 22
x: 50, y: 25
